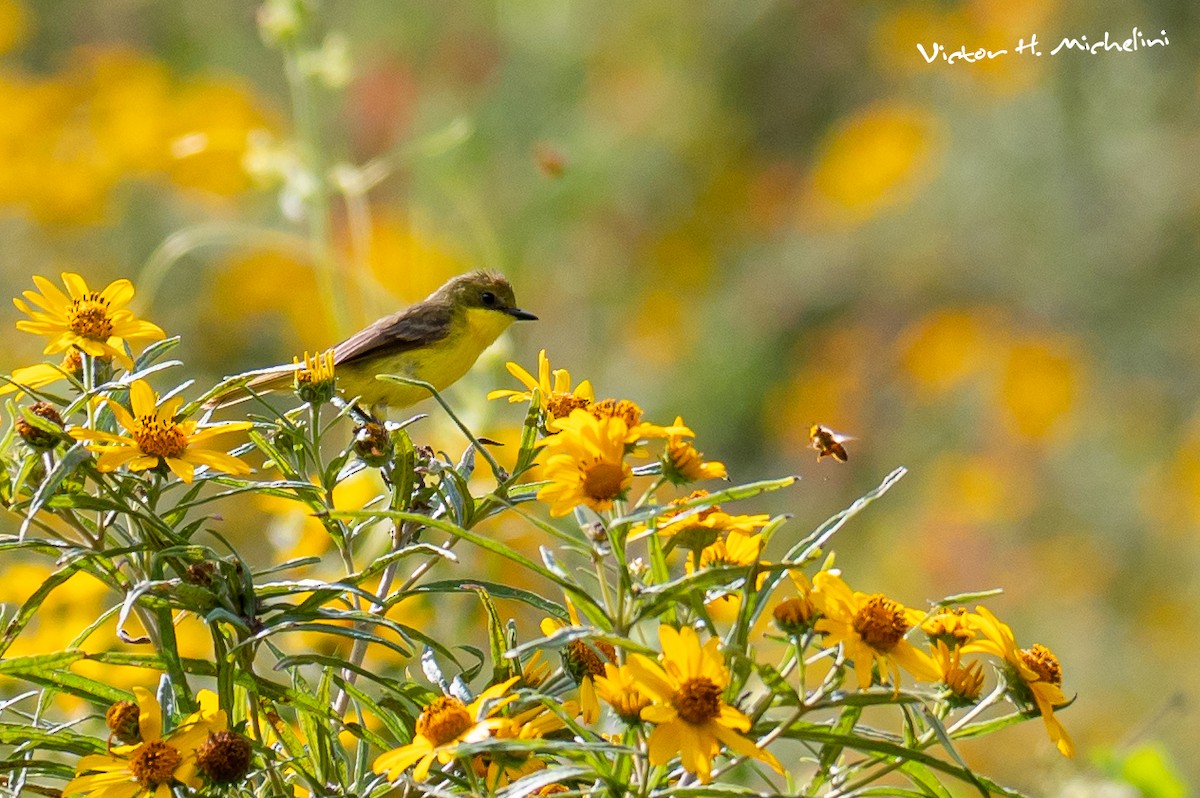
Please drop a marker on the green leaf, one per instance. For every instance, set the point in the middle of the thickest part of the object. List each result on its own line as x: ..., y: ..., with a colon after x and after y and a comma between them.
x: 807, y: 547
x: 736, y: 493
x: 925, y: 780
x: 57, y: 739
x: 74, y: 457
x: 51, y: 670
x: 497, y: 590
x: 501, y: 668
x: 887, y: 750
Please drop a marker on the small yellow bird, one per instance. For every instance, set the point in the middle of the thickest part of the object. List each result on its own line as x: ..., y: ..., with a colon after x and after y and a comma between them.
x: 437, y: 340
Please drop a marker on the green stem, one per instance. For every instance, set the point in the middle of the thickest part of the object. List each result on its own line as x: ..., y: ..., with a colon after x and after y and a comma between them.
x: 317, y: 204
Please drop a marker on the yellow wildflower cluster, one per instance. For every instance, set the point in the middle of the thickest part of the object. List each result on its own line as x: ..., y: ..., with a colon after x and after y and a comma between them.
x: 97, y: 325
x: 656, y: 685
x: 872, y: 630
x: 588, y: 442
x: 109, y: 115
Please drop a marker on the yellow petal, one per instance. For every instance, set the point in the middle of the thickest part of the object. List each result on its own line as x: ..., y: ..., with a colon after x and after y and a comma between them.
x: 142, y: 398
x: 118, y: 293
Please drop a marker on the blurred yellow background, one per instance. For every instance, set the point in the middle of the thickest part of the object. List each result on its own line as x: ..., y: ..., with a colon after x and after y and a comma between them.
x: 759, y: 215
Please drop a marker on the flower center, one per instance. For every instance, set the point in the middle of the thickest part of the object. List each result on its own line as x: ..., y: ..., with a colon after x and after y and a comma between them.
x: 880, y: 623
x: 444, y: 720
x: 88, y: 317
x: 560, y: 404
x: 159, y: 438
x: 698, y: 700
x: 1042, y: 661
x: 584, y: 659
x: 604, y: 481
x: 155, y: 763
x: 624, y: 409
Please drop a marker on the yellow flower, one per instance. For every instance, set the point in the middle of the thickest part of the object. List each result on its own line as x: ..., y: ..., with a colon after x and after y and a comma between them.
x: 870, y: 629
x: 150, y: 767
x: 43, y: 374
x: 691, y: 720
x: 798, y: 614
x: 1037, y: 671
x: 156, y: 437
x: 95, y: 321
x: 619, y: 689
x: 962, y: 681
x: 558, y: 398
x: 499, y: 767
x: 954, y: 626
x: 585, y: 662
x: 682, y: 463
x: 737, y: 548
x: 698, y: 528
x: 444, y: 725
x: 314, y: 381
x: 631, y: 414
x: 585, y: 464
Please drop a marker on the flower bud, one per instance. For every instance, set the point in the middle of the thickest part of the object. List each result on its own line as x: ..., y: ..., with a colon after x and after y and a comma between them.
x: 36, y: 436
x: 224, y: 757
x: 122, y: 720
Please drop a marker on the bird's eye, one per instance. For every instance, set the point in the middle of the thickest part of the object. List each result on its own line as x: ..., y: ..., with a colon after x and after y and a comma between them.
x: 488, y: 298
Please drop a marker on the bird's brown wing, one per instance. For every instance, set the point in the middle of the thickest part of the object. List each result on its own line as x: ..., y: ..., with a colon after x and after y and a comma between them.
x: 416, y: 326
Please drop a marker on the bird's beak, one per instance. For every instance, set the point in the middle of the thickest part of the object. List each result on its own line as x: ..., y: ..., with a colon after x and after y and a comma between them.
x: 517, y: 313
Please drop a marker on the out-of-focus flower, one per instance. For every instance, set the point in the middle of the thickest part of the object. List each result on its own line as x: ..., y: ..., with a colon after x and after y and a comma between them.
x: 681, y: 461
x: 150, y: 767
x: 691, y: 719
x: 558, y: 398
x: 410, y: 263
x: 585, y: 463
x: 293, y: 529
x: 209, y: 131
x: 1035, y: 674
x: 1038, y: 387
x: 96, y: 322
x: 268, y: 285
x: 155, y: 437
x: 940, y: 351
x: 870, y: 629
x: 874, y: 159
x: 444, y: 725
x: 13, y: 24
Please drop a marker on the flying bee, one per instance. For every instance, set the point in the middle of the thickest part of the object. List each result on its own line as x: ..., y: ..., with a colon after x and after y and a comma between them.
x: 829, y: 443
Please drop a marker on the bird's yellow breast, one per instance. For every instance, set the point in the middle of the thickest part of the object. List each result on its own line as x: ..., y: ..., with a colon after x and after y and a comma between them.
x: 440, y: 363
